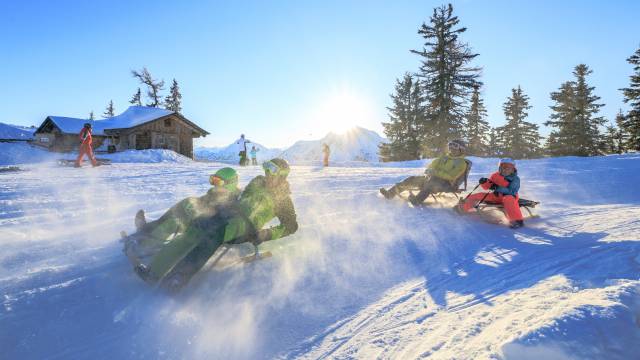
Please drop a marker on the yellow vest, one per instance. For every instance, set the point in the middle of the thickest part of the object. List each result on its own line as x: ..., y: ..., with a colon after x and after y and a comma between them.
x: 448, y: 167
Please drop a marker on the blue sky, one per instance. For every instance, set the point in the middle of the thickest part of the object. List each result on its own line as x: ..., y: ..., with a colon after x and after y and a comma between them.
x: 283, y: 71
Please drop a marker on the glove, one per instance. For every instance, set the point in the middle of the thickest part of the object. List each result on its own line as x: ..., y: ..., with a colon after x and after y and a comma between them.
x: 493, y: 187
x: 496, y: 193
x: 483, y: 180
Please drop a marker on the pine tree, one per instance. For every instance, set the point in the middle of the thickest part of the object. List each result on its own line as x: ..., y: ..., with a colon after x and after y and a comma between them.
x: 91, y: 116
x: 109, y: 111
x: 477, y: 126
x: 518, y: 138
x: 447, y: 77
x: 574, y: 116
x: 174, y: 99
x: 631, y: 123
x: 153, y: 86
x: 495, y: 147
x: 137, y: 98
x: 405, y: 129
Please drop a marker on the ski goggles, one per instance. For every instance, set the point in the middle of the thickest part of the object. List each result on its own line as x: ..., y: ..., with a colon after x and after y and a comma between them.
x: 216, y: 180
x: 272, y: 169
x: 455, y: 146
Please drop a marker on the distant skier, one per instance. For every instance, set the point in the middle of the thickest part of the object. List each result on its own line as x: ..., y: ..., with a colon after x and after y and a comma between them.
x: 242, y: 150
x: 254, y: 155
x: 326, y: 151
x: 442, y: 175
x: 504, y: 185
x: 85, y: 146
x: 265, y: 198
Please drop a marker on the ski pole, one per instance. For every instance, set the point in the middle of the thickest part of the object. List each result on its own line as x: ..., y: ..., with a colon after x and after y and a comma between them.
x: 469, y: 194
x: 481, y: 201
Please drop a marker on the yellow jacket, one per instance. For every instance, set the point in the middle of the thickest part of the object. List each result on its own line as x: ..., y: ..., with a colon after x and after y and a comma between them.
x: 447, y: 167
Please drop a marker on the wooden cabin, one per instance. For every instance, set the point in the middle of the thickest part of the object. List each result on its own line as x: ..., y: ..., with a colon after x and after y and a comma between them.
x: 138, y: 128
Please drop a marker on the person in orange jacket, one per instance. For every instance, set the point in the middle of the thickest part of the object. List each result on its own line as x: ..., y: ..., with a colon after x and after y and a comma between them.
x: 85, y: 146
x: 504, y: 185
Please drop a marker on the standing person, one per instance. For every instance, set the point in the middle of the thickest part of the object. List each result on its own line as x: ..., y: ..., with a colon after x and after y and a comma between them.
x: 505, y: 185
x: 326, y: 151
x: 242, y: 150
x: 85, y: 146
x: 254, y: 155
x: 444, y: 174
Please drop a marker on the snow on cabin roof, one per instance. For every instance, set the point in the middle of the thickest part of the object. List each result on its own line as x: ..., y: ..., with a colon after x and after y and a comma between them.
x: 133, y: 116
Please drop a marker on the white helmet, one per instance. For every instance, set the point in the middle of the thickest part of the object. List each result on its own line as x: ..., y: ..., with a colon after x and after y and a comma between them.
x: 507, y: 161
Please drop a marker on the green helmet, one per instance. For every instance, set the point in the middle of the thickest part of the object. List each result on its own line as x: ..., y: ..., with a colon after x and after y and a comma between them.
x: 225, y: 177
x: 276, y: 167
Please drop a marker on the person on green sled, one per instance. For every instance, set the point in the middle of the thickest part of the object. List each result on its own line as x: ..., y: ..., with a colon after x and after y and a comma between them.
x: 265, y: 198
x: 442, y: 175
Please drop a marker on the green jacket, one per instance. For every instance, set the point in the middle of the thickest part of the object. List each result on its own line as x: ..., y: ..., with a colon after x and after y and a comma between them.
x: 258, y: 205
x: 447, y: 167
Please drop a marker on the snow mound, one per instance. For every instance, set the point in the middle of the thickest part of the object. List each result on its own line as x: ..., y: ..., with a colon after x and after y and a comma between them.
x: 11, y: 132
x: 22, y: 153
x: 146, y: 156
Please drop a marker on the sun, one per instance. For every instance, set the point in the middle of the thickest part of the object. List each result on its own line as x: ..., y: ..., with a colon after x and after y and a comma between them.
x: 340, y: 111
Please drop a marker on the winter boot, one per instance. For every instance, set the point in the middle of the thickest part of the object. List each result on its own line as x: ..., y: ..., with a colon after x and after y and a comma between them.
x: 388, y: 194
x: 413, y: 199
x: 140, y: 220
x: 516, y: 224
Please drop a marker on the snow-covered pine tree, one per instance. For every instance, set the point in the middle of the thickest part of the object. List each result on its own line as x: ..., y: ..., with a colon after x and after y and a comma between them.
x: 574, y: 116
x: 562, y: 116
x: 109, y: 111
x: 136, y: 99
x: 518, y: 138
x: 153, y: 86
x: 615, y: 138
x: 495, y: 147
x: 173, y: 101
x: 477, y: 126
x: 405, y: 130
x: 631, y: 123
x: 448, y: 79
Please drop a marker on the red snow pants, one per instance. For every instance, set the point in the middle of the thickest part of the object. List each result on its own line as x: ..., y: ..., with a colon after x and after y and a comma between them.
x: 510, y: 203
x: 85, y: 149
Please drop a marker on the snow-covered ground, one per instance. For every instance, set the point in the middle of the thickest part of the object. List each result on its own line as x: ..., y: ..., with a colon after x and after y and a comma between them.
x: 362, y: 278
x: 15, y: 132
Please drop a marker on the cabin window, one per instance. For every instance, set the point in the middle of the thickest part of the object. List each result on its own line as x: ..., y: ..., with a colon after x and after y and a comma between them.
x: 167, y: 122
x: 44, y: 139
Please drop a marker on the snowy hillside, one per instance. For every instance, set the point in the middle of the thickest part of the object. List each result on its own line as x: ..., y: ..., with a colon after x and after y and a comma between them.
x: 362, y: 278
x: 356, y: 145
x: 15, y: 132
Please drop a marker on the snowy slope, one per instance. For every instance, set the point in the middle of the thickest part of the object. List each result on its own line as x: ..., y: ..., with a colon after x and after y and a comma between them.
x: 12, y: 132
x: 23, y: 153
x: 362, y: 278
x: 357, y: 144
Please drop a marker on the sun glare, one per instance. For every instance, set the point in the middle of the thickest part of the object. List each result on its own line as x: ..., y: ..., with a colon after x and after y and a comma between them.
x: 341, y: 111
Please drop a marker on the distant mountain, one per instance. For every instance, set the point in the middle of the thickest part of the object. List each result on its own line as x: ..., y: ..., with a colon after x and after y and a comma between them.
x: 14, y: 132
x: 230, y: 152
x: 357, y: 144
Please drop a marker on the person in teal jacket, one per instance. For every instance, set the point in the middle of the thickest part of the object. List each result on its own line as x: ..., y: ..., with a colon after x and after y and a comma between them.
x: 265, y: 198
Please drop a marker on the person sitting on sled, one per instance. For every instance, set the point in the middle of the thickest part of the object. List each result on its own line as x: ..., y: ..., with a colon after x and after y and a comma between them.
x: 265, y: 198
x: 442, y: 175
x: 223, y: 192
x: 505, y: 184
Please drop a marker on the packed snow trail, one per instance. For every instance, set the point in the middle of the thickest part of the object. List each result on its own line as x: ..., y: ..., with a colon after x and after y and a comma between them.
x: 362, y: 278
